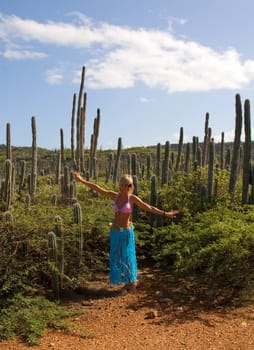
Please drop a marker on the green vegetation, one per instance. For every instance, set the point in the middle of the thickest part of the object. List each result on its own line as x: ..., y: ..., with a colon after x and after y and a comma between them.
x: 54, y: 231
x: 28, y: 317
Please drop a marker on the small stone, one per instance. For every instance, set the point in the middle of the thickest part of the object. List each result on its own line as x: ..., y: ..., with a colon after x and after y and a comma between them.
x: 244, y: 324
x: 150, y: 315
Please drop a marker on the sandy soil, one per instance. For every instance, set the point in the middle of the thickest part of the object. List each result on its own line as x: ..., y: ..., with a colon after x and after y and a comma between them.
x: 158, y: 316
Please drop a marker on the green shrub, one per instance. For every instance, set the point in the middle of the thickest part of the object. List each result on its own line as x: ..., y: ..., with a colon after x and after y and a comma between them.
x: 217, y: 247
x: 28, y: 317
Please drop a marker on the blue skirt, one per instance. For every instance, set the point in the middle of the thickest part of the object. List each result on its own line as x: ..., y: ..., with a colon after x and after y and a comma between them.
x: 123, y: 262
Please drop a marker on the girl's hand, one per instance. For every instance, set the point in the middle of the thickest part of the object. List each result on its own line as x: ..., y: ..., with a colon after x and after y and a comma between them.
x: 172, y: 213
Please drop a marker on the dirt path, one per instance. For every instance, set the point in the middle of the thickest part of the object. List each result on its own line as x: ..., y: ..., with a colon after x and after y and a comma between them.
x: 158, y: 316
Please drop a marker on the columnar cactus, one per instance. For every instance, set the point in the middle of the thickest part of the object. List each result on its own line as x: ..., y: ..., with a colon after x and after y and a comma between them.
x: 117, y: 161
x: 180, y: 149
x: 73, y: 128
x: 194, y: 148
x: 237, y: 142
x: 34, y: 159
x: 58, y: 168
x: 148, y: 166
x: 165, y: 168
x: 8, y: 184
x: 187, y: 159
x: 246, y: 153
x: 53, y: 262
x: 158, y: 160
x: 222, y: 152
x: 63, y: 158
x: 94, y: 143
x: 65, y: 185
x: 206, y: 140
x: 78, y: 123
x: 82, y: 134
x: 211, y: 170
x: 60, y: 254
x: 134, y: 164
x: 8, y: 141
x: 22, y: 175
x: 77, y: 218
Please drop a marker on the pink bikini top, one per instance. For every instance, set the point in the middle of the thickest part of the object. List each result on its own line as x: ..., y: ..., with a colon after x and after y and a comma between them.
x: 125, y: 209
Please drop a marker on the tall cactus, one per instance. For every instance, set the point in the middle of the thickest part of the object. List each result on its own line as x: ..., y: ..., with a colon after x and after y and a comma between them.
x: 65, y: 185
x: 8, y: 187
x: 117, y: 161
x: 148, y: 166
x: 246, y: 153
x: 134, y: 164
x: 158, y: 160
x: 187, y: 159
x: 206, y: 140
x: 63, y: 158
x: 135, y: 211
x: 22, y: 175
x: 60, y: 255
x: 34, y: 160
x: 94, y: 144
x: 165, y: 168
x: 180, y: 150
x: 77, y: 218
x: 52, y: 262
x: 236, y: 147
x: 8, y: 142
x: 82, y: 134
x: 78, y: 122
x: 194, y: 148
x: 222, y: 152
x: 73, y: 129
x: 211, y: 170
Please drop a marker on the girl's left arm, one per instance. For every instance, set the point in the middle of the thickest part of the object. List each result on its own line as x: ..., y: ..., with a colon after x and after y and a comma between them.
x: 150, y: 208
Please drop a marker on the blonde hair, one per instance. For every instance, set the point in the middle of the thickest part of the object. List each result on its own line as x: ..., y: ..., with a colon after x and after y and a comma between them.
x: 126, y: 180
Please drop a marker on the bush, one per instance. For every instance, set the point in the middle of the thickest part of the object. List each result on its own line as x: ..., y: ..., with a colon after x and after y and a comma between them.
x: 28, y: 317
x: 217, y: 247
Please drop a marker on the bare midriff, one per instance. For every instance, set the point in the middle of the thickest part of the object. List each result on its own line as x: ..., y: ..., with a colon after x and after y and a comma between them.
x: 122, y: 220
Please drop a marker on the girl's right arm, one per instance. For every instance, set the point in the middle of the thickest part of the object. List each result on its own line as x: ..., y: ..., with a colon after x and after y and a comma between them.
x: 95, y: 187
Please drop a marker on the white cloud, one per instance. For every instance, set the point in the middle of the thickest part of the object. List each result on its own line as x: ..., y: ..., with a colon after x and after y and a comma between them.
x: 143, y: 99
x: 172, y: 20
x: 121, y: 56
x: 23, y: 54
x: 54, y: 76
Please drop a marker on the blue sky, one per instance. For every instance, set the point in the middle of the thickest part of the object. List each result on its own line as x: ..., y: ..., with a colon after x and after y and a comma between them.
x: 152, y: 67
